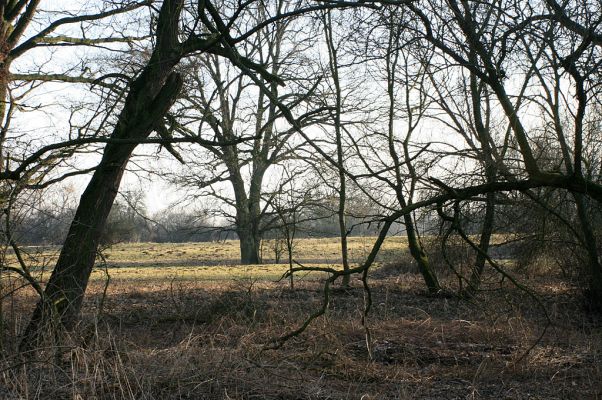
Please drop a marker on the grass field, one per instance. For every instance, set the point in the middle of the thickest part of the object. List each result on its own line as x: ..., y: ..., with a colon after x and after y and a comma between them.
x: 215, y: 260
x: 183, y: 321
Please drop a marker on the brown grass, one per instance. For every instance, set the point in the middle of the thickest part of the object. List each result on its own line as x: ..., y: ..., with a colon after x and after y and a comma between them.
x: 201, y: 335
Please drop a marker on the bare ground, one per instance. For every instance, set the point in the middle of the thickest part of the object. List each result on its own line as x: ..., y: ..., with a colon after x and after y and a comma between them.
x: 194, y: 339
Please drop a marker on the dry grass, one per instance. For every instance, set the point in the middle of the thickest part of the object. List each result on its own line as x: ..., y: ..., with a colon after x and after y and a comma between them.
x: 316, y: 251
x: 198, y: 333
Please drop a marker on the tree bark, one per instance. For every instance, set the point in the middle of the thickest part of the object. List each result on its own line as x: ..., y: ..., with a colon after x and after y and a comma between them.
x: 150, y: 97
x: 593, y: 269
x: 418, y: 253
x: 484, y: 241
x: 249, y: 243
x: 248, y: 211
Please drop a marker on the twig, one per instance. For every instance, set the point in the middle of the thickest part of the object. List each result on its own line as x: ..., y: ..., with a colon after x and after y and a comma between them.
x: 499, y: 269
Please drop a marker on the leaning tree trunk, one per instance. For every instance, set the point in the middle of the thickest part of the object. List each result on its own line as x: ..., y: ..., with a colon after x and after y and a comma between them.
x: 418, y: 253
x: 65, y: 289
x: 150, y: 97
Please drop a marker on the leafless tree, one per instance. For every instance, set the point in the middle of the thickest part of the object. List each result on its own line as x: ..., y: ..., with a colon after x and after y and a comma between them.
x: 223, y: 103
x: 180, y: 32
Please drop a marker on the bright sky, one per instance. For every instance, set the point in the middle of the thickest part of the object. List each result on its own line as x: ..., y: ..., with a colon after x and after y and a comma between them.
x: 53, y: 121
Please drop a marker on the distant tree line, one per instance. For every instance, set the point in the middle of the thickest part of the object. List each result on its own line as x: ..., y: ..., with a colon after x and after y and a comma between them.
x: 129, y: 221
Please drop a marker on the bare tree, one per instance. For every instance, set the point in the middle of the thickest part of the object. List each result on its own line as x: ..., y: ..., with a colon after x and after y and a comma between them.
x: 224, y: 103
x: 178, y: 34
x: 333, y: 66
x: 289, y: 203
x: 488, y: 43
x: 149, y: 98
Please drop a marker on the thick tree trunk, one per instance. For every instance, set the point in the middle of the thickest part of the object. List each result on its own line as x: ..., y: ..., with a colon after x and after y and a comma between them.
x: 248, y: 211
x: 150, y: 97
x: 247, y: 218
x: 249, y: 245
x: 65, y: 289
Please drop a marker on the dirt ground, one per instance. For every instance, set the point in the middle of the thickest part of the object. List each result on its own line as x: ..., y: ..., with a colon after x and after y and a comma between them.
x: 198, y: 339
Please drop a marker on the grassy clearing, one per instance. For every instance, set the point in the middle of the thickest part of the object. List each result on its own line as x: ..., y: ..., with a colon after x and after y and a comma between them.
x: 167, y: 259
x: 211, y: 260
x: 316, y: 251
x: 269, y: 272
x: 198, y: 332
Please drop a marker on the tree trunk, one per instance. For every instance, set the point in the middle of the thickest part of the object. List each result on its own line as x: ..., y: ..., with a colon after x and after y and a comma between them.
x: 417, y: 252
x: 248, y: 211
x: 484, y: 241
x: 65, y: 289
x: 249, y: 244
x: 247, y: 216
x: 484, y: 138
x: 247, y: 224
x: 4, y: 117
x: 344, y: 247
x: 150, y: 97
x: 594, y: 269
x: 334, y: 69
